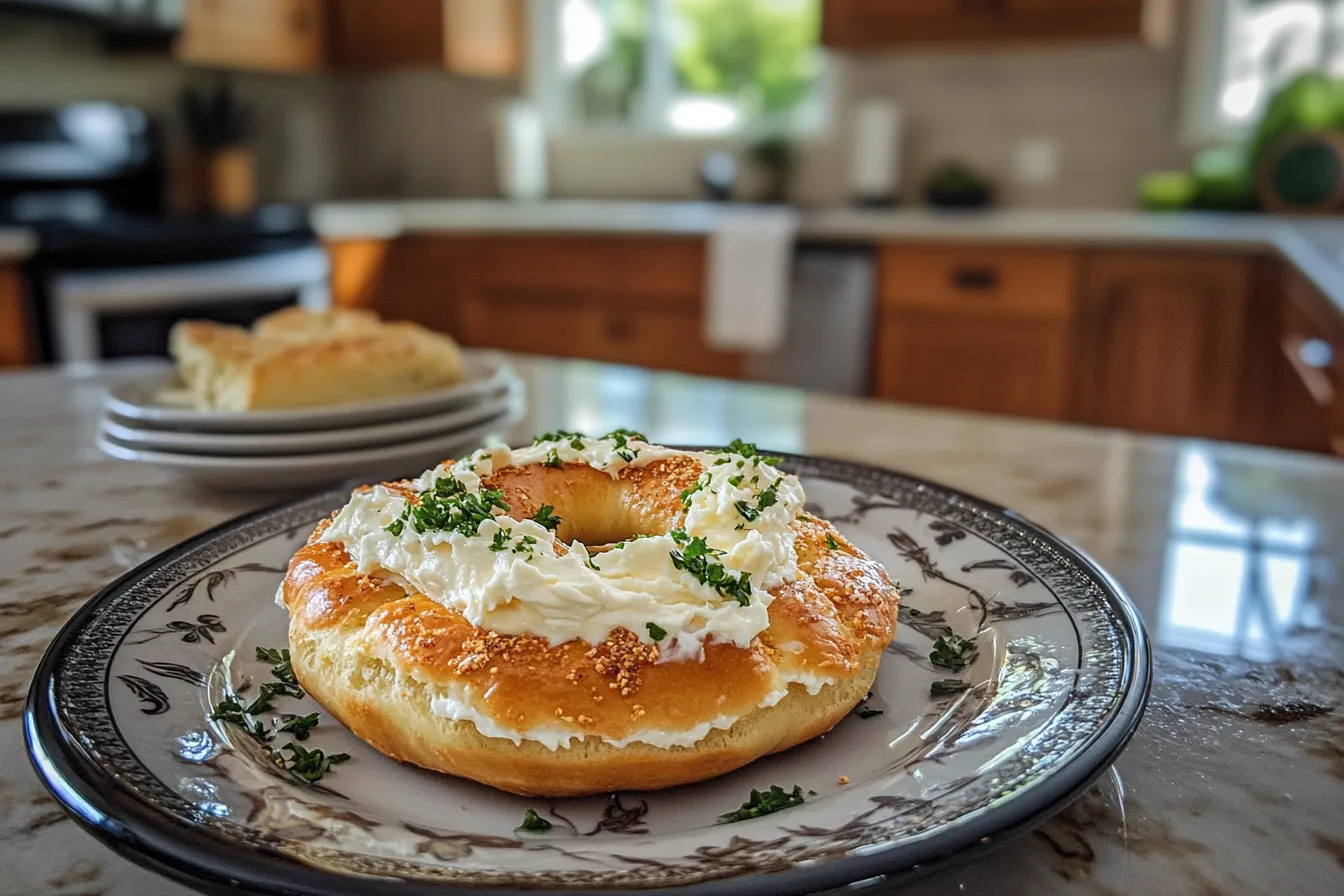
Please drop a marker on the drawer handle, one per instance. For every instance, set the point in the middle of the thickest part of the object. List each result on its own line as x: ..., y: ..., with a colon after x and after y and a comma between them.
x: 618, y: 329
x: 975, y: 279
x: 1316, y: 354
x: 1311, y: 359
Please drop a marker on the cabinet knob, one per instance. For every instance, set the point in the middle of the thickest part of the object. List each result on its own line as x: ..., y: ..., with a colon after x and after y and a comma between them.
x: 975, y: 279
x: 618, y: 329
x: 1316, y: 354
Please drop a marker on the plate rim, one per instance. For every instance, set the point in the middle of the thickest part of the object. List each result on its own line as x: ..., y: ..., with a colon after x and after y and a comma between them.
x: 194, y: 856
x: 444, y: 422
x: 248, y: 463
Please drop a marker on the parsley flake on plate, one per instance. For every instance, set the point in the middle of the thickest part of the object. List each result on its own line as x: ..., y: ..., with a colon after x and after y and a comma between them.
x: 953, y: 652
x: 946, y: 687
x: 534, y: 822
x: 764, y: 802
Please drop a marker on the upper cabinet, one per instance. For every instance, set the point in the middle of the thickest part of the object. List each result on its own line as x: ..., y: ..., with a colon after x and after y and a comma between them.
x: 474, y: 38
x: 259, y: 35
x: 881, y: 24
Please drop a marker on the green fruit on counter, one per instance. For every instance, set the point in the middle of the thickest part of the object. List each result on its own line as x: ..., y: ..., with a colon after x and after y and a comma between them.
x: 1166, y: 191
x: 1224, y: 179
x: 1311, y: 101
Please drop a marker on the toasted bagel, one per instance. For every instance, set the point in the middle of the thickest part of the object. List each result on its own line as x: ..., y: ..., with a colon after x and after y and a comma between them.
x: 538, y: 714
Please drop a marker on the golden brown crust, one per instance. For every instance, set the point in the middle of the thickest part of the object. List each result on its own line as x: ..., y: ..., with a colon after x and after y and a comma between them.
x: 374, y: 656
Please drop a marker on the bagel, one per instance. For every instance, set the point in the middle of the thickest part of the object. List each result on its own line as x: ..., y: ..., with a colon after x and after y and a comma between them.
x: 586, y: 615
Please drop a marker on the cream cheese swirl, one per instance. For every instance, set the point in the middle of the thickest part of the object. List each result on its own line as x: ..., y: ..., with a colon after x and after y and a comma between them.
x: 515, y: 577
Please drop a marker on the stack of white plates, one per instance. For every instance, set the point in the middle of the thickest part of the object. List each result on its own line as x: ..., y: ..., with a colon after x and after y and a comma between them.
x: 150, y: 420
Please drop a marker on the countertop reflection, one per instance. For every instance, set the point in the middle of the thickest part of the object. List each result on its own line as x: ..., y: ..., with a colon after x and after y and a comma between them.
x: 1233, y: 784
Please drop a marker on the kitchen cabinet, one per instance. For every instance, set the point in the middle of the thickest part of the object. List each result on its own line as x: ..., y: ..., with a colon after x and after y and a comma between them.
x: 262, y: 35
x: 625, y: 299
x: 1162, y: 342
x: 475, y: 38
x: 1311, y: 339
x: 879, y: 24
x: 16, y: 333
x: 975, y: 327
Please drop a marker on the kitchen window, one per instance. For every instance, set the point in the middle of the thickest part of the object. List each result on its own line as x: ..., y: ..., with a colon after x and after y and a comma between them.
x: 1244, y: 50
x: 678, y: 67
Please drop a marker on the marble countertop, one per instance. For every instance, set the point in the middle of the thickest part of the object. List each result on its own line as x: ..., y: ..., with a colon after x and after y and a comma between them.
x: 1233, y: 784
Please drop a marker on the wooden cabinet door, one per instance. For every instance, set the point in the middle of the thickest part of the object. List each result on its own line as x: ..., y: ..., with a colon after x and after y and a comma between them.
x: 983, y: 328
x: 880, y: 24
x: 475, y: 38
x: 998, y: 365
x: 877, y: 24
x: 18, y: 338
x: 265, y: 35
x: 1162, y: 340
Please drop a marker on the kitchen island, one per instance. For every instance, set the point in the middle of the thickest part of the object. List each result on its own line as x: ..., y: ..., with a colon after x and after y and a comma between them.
x: 1233, y: 784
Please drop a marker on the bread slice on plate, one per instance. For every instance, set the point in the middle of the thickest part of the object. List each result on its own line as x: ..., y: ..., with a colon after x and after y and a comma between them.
x: 298, y: 358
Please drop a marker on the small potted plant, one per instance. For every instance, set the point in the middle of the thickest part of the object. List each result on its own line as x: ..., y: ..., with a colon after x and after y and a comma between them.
x: 218, y: 126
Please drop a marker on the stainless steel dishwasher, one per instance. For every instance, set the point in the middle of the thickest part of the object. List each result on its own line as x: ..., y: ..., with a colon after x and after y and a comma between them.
x: 828, y: 341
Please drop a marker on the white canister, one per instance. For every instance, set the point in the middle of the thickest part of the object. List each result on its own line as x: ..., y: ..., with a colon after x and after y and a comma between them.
x: 520, y: 151
x: 875, y: 152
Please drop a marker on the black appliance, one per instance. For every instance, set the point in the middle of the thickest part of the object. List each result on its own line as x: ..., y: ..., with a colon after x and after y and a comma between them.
x: 113, y: 269
x: 148, y: 18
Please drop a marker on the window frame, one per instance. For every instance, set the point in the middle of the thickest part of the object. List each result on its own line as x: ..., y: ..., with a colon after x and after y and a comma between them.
x: 547, y: 89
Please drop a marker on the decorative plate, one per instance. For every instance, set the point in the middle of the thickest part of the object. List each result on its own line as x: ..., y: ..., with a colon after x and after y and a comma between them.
x: 117, y: 726
x: 159, y: 400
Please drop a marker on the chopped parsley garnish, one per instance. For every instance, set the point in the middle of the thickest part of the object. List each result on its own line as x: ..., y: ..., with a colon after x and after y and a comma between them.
x: 735, y: 481
x: 622, y: 448
x: 561, y: 435
x: 696, y: 559
x: 946, y: 687
x: 525, y: 545
x: 700, y: 483
x: 307, y: 765
x: 626, y: 433
x: 553, y: 459
x: 656, y: 631
x: 749, y: 513
x: 300, y: 726
x: 863, y: 710
x: 448, y: 506
x: 534, y: 822
x: 502, y: 540
x: 396, y: 527
x: 953, y: 652
x: 747, y: 449
x: 545, y: 517
x: 769, y: 497
x: 764, y: 802
x: 311, y: 765
x: 832, y: 543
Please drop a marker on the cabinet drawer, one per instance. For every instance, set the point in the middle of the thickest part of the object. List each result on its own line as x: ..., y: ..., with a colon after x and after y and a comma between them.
x: 617, y: 267
x: 980, y: 280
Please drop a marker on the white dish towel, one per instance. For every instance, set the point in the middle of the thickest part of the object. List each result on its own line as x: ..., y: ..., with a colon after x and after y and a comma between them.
x: 747, y: 279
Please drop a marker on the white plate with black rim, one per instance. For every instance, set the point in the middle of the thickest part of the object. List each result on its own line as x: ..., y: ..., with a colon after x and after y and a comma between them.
x: 117, y: 726
x: 271, y: 444
x: 158, y: 399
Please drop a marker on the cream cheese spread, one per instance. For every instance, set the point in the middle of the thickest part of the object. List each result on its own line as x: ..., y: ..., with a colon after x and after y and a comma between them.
x: 515, y: 577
